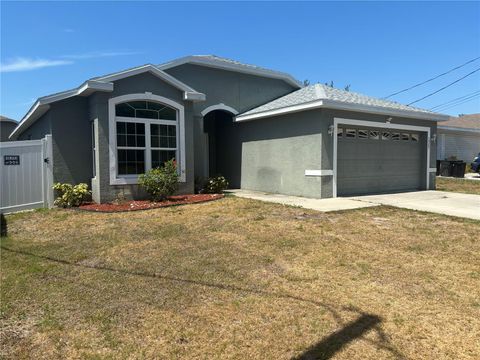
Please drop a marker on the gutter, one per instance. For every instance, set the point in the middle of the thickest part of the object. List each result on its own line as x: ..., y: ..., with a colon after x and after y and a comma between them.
x: 457, y: 129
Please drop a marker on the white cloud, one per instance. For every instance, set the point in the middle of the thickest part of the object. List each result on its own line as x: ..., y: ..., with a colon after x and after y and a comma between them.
x: 99, y: 54
x: 68, y: 30
x: 26, y: 64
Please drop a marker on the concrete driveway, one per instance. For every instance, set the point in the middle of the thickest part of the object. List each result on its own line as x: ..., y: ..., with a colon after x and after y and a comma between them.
x: 440, y: 202
x: 324, y: 205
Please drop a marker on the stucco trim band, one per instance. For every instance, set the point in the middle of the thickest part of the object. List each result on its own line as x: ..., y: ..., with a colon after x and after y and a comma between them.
x: 318, y: 172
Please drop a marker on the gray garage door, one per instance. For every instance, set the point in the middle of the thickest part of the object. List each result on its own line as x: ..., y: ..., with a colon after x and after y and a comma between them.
x: 375, y: 161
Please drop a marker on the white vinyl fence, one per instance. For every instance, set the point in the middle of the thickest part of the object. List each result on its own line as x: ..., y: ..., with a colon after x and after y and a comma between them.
x: 26, y: 175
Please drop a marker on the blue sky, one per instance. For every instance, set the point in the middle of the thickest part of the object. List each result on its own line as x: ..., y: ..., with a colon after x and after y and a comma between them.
x: 377, y: 47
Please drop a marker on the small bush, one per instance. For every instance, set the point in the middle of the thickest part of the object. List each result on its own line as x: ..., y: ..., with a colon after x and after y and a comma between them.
x: 71, y: 195
x: 215, y: 185
x: 160, y: 182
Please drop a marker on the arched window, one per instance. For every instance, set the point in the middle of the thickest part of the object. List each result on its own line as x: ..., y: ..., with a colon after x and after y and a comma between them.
x: 145, y: 110
x: 146, y: 135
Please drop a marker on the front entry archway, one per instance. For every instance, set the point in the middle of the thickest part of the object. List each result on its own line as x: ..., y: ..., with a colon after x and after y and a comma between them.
x: 222, y: 155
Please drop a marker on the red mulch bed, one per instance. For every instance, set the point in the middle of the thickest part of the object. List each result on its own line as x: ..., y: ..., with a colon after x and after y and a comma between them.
x: 135, y: 205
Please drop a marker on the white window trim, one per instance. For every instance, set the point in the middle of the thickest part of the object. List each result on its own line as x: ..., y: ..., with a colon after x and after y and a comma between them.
x: 375, y: 124
x: 95, y: 147
x: 220, y: 106
x: 318, y: 172
x: 115, y: 179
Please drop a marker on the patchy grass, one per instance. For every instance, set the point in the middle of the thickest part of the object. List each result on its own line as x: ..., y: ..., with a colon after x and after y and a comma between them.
x: 458, y: 185
x: 238, y: 278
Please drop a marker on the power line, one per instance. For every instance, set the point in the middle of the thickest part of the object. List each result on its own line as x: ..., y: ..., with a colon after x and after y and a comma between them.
x: 454, y: 100
x: 461, y: 102
x: 446, y: 86
x: 457, y: 102
x: 473, y: 97
x: 435, y: 77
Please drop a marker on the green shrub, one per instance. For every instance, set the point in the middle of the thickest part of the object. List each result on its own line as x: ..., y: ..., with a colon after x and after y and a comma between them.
x: 160, y: 182
x: 70, y: 195
x: 215, y: 185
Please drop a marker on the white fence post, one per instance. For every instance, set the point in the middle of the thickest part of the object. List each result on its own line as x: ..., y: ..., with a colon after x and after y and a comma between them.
x: 48, y: 166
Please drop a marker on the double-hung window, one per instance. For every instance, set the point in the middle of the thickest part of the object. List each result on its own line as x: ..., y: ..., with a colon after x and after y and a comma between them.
x: 163, y: 143
x: 146, y: 136
x: 131, y: 147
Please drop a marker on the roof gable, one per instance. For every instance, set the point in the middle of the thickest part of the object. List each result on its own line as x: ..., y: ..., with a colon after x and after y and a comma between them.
x: 231, y: 65
x: 102, y: 83
x: 189, y: 92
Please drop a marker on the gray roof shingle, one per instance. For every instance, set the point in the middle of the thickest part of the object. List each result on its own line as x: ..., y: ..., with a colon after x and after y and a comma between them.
x: 471, y: 121
x: 319, y: 92
x: 232, y: 62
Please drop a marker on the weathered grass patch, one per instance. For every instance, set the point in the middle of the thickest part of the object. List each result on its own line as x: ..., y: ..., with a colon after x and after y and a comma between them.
x: 458, y: 185
x: 239, y: 278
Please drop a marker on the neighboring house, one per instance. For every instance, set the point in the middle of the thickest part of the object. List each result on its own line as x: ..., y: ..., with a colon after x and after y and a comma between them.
x: 459, y: 137
x: 6, y: 127
x: 259, y: 128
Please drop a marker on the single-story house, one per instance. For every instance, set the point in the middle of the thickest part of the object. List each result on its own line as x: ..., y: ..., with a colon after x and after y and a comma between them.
x: 260, y: 128
x: 7, y: 125
x: 459, y: 137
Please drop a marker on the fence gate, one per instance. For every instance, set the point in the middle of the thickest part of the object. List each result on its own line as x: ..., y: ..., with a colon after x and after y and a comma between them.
x: 26, y: 174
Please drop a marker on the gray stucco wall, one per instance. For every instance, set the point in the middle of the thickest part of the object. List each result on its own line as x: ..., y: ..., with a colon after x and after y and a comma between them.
x: 98, y: 108
x: 272, y: 154
x: 72, y: 141
x: 237, y: 90
x: 6, y: 128
x: 67, y: 121
x: 275, y: 152
x: 38, y: 129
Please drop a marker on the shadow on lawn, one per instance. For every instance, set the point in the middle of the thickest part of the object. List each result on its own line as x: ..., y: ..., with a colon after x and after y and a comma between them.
x: 324, y: 349
x: 336, y: 341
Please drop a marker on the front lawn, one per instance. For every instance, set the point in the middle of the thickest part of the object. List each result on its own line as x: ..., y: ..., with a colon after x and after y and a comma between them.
x: 458, y: 185
x: 240, y: 279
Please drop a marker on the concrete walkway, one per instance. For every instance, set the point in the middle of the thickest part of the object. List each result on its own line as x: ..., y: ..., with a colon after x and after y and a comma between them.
x: 323, y: 205
x: 472, y: 176
x: 440, y: 202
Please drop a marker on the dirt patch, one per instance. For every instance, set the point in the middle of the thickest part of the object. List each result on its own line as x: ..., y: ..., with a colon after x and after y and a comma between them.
x: 147, y: 204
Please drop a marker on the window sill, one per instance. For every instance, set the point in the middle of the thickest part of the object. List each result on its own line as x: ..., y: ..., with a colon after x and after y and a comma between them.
x: 134, y: 180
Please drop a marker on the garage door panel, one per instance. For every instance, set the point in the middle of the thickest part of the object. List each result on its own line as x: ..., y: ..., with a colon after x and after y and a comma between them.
x: 366, y: 166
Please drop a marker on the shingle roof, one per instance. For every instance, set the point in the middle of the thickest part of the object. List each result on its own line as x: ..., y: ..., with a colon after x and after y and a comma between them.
x: 471, y: 121
x: 233, y: 62
x: 319, y: 92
